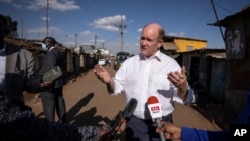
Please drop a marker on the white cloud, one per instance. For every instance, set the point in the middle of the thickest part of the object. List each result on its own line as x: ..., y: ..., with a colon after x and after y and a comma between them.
x: 44, y: 18
x: 110, y: 23
x: 6, y: 1
x: 181, y: 34
x: 87, y: 33
x: 54, y: 30
x: 139, y: 30
x: 67, y: 6
x: 53, y: 4
x: 17, y: 6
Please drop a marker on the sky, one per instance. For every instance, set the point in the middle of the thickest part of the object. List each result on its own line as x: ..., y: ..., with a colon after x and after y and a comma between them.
x: 100, y: 22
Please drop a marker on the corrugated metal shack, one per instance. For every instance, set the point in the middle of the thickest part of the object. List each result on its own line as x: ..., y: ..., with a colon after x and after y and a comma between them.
x: 237, y: 41
x: 205, y: 68
x: 206, y: 72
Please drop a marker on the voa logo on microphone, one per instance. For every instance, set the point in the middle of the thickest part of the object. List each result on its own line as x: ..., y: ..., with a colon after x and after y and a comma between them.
x: 155, y: 109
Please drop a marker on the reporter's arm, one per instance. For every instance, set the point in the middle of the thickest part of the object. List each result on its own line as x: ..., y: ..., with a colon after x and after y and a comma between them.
x: 193, y: 134
x: 174, y: 132
x: 19, y: 123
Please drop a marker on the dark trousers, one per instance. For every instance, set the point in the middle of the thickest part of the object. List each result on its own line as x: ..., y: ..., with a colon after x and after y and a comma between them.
x: 52, y: 102
x: 143, y: 130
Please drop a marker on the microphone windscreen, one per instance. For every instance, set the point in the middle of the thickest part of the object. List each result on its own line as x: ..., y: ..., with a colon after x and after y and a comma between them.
x: 130, y: 108
x: 152, y: 100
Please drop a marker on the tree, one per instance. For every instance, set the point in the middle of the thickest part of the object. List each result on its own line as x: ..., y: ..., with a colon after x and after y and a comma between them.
x: 12, y: 27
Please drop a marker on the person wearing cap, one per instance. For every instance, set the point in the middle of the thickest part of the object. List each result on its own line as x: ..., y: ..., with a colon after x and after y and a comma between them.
x: 52, y: 98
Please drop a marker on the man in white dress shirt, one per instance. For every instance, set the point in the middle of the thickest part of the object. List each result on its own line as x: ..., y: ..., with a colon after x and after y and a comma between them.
x: 150, y: 73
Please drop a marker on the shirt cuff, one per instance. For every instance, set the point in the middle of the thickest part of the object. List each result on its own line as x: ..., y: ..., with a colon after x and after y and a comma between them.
x: 190, y: 96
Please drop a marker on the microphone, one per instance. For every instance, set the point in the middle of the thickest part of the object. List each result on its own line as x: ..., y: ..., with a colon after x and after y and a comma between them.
x: 155, y: 111
x: 130, y: 108
x: 118, y: 119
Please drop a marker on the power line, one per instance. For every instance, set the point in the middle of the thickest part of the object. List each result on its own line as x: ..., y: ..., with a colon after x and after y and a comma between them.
x: 223, y: 8
x: 111, y: 39
x: 212, y: 2
x: 94, y: 12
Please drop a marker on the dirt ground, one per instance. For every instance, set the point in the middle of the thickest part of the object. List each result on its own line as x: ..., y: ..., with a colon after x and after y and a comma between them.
x: 88, y: 103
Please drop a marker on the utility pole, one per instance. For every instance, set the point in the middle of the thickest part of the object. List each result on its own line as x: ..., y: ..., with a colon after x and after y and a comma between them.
x: 212, y: 2
x: 22, y: 29
x: 47, y: 20
x: 121, y: 27
x: 76, y: 40
x: 95, y: 41
x: 65, y: 41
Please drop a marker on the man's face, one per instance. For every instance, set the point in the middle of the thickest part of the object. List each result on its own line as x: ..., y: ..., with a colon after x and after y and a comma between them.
x: 49, y: 43
x: 149, y: 42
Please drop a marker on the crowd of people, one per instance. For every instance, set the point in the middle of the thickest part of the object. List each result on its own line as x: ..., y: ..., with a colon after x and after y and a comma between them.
x: 149, y: 73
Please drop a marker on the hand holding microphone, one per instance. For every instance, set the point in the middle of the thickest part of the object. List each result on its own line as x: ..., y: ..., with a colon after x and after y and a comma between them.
x: 120, y: 118
x: 155, y: 111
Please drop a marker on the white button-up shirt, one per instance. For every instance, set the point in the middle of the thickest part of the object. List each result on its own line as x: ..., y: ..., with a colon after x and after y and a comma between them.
x: 141, y: 77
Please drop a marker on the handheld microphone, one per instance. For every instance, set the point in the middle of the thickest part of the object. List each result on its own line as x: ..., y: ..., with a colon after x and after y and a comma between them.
x: 130, y: 108
x: 155, y: 111
x: 118, y: 119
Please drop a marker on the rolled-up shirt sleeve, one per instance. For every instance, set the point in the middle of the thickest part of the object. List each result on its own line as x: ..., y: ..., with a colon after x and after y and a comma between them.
x: 118, y: 87
x: 190, y: 96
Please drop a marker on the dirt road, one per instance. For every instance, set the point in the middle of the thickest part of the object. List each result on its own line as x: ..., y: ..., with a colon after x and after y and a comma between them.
x: 88, y: 103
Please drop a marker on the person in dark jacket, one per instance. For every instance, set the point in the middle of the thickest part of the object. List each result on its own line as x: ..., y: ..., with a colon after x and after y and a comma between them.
x: 18, y: 123
x: 192, y: 134
x: 52, y: 99
x: 17, y: 69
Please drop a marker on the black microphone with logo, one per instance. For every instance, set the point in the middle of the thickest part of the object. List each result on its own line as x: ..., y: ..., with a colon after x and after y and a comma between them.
x: 155, y: 111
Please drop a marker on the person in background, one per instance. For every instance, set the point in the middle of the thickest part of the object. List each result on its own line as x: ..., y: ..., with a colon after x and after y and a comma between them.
x: 17, y: 69
x: 150, y: 73
x: 174, y: 132
x: 52, y: 98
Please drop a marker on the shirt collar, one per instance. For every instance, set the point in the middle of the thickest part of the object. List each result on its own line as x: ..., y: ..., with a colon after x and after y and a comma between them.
x: 51, y: 48
x: 157, y: 56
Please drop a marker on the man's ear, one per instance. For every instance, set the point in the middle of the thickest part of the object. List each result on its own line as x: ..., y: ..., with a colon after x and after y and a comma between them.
x: 160, y: 44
